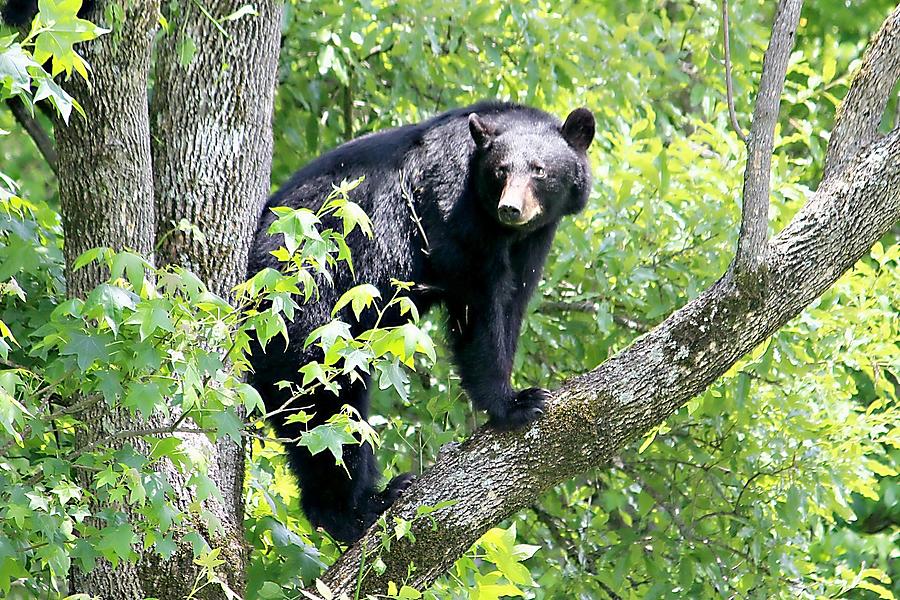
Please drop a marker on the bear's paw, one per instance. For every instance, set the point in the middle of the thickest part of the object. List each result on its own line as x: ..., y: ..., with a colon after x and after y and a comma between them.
x: 526, y: 407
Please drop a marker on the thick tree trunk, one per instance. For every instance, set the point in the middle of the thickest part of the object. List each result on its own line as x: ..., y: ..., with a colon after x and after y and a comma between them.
x: 105, y: 173
x: 212, y: 127
x: 212, y: 159
x: 106, y: 192
x: 592, y: 416
x: 210, y: 166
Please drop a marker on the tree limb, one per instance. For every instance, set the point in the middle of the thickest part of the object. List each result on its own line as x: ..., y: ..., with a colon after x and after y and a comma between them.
x: 494, y: 474
x: 755, y: 216
x: 38, y: 135
x: 860, y: 113
x: 592, y: 416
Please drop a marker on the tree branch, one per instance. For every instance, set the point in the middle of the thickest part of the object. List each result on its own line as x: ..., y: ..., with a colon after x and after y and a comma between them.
x: 38, y: 135
x: 586, y: 306
x: 861, y: 111
x: 729, y: 85
x: 494, y: 474
x: 755, y: 217
x: 592, y: 416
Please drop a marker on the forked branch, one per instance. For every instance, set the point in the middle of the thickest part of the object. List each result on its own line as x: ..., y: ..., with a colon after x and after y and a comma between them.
x: 861, y: 111
x: 755, y: 215
x: 729, y: 84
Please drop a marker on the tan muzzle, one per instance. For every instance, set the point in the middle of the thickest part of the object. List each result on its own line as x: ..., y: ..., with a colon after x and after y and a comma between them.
x: 518, y: 204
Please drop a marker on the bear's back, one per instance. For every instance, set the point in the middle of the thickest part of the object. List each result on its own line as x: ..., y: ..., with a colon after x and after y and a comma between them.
x: 394, y: 164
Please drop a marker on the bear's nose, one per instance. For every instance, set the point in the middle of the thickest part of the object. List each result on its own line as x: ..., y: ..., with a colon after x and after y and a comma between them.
x: 509, y: 214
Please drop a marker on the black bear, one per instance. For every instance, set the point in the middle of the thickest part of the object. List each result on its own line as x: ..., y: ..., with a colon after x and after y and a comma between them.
x: 466, y: 204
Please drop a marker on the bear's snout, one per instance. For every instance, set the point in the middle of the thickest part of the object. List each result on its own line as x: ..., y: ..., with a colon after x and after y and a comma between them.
x: 518, y: 205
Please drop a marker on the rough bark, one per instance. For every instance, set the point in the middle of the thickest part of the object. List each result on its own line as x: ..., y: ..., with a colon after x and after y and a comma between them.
x: 211, y: 164
x: 213, y: 141
x: 106, y: 191
x: 861, y: 111
x: 211, y: 121
x: 105, y: 175
x: 492, y: 475
x: 755, y: 216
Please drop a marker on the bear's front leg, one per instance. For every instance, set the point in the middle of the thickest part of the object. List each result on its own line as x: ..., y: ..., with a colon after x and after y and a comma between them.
x: 484, y: 345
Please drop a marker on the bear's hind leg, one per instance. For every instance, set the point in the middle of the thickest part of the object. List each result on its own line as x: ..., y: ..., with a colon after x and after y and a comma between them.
x: 344, y: 506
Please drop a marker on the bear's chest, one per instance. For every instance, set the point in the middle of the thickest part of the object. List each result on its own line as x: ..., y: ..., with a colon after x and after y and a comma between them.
x: 471, y: 270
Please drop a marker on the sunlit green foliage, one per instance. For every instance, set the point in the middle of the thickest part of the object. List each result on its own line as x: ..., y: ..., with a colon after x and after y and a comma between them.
x: 779, y: 481
x: 772, y: 474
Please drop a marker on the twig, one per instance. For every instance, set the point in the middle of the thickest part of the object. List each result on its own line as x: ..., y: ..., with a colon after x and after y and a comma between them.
x: 415, y: 217
x: 348, y: 112
x: 10, y: 364
x: 54, y: 416
x: 729, y: 86
x: 43, y: 142
x: 132, y: 433
x: 749, y: 259
x: 587, y: 306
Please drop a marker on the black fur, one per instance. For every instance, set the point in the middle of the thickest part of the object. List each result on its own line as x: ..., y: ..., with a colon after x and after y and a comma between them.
x: 19, y: 13
x: 482, y: 270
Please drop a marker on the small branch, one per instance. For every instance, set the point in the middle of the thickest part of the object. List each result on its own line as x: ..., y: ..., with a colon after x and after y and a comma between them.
x: 43, y: 142
x: 587, y: 306
x: 413, y: 214
x: 729, y: 86
x: 10, y: 364
x: 686, y: 532
x: 133, y: 433
x: 378, y: 49
x: 347, y: 108
x: 755, y: 217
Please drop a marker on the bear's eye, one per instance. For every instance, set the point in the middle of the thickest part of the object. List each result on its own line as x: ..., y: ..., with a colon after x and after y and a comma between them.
x: 501, y: 171
x: 538, y: 171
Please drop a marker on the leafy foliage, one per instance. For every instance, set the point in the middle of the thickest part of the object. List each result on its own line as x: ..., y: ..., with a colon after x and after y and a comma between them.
x: 779, y: 481
x: 796, y: 426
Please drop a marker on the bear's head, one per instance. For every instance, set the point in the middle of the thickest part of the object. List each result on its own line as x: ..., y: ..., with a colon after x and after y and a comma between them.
x: 530, y: 171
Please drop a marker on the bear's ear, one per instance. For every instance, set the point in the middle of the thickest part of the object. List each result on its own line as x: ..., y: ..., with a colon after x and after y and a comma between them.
x: 578, y: 129
x: 481, y: 131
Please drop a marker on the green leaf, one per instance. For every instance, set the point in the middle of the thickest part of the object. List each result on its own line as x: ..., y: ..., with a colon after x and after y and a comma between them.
x: 132, y: 265
x: 328, y: 333
x: 115, y: 543
x: 89, y: 256
x: 245, y: 10
x: 150, y: 316
x: 64, y: 103
x: 143, y: 397
x: 228, y: 424
x: 359, y: 298
x: 250, y: 398
x: 186, y: 49
x: 59, y: 29
x: 14, y: 65
x: 328, y: 436
x: 295, y: 225
x: 87, y: 349
x: 392, y: 375
x: 352, y: 216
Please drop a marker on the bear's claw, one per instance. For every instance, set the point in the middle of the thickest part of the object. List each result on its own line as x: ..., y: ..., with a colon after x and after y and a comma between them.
x: 526, y: 406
